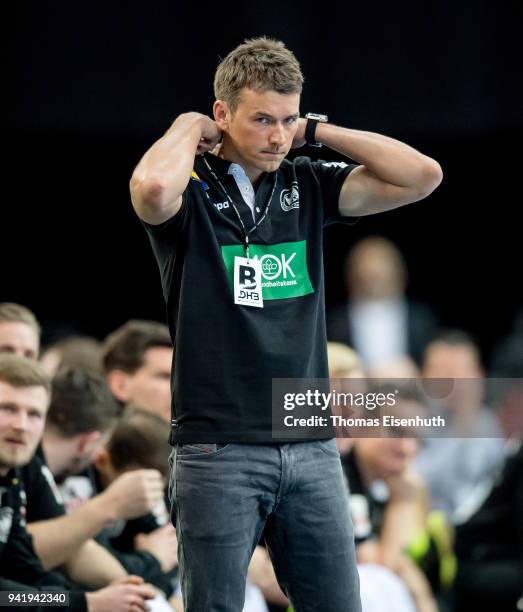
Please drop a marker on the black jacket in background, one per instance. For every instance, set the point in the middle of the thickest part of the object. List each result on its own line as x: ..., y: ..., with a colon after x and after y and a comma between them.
x: 489, y: 546
x: 21, y: 568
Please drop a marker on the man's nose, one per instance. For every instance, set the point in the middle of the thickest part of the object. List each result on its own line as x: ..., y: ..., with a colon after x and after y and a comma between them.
x: 20, y: 420
x: 277, y: 134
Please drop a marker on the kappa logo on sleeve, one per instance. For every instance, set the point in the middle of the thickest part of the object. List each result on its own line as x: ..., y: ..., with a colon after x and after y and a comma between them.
x: 290, y: 198
x: 283, y: 266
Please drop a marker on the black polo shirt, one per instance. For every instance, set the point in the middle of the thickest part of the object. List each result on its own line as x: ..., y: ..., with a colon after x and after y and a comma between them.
x: 227, y: 355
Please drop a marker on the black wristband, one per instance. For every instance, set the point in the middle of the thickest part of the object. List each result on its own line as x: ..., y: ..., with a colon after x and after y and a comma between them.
x: 310, y: 133
x: 310, y: 129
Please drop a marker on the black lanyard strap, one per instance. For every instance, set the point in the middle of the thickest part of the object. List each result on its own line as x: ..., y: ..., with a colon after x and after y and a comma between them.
x: 260, y: 220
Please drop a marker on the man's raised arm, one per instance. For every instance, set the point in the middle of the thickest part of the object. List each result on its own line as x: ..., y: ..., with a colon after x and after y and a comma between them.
x: 391, y: 174
x: 162, y: 175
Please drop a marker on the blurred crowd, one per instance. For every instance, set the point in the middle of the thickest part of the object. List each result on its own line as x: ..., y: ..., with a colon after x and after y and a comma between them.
x: 84, y: 427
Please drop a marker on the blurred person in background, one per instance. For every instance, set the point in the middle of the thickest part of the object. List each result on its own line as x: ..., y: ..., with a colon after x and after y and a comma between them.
x: 384, y: 569
x: 81, y: 415
x: 507, y: 394
x: 82, y: 352
x: 397, y: 367
x: 145, y: 545
x: 377, y: 319
x: 24, y: 398
x: 389, y: 504
x: 19, y: 330
x: 344, y: 362
x: 489, y: 539
x: 137, y: 360
x: 59, y: 538
x: 452, y: 466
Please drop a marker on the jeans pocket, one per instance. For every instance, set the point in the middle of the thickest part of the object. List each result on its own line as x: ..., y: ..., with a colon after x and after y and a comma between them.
x: 195, y: 450
x: 329, y: 447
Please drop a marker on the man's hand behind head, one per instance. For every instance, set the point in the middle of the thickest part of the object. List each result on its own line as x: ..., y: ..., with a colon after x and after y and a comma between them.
x: 299, y: 137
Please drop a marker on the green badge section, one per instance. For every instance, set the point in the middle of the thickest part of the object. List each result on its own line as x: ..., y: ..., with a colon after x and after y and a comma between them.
x: 284, y: 267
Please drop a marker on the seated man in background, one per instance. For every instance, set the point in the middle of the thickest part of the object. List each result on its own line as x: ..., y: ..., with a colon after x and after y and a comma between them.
x: 489, y: 541
x: 137, y: 360
x: 19, y: 330
x: 453, y: 466
x: 81, y: 352
x: 24, y: 398
x: 65, y: 539
x: 81, y: 414
x: 145, y: 545
x: 80, y: 419
x: 389, y: 503
x: 377, y: 318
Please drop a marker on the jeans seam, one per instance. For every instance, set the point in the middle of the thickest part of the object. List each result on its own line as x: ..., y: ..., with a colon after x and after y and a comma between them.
x: 179, y: 525
x: 279, y: 495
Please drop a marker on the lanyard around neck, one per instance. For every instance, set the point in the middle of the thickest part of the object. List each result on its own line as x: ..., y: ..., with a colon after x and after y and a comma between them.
x: 242, y: 224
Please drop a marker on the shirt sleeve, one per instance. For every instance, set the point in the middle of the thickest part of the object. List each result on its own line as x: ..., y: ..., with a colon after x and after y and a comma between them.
x: 166, y: 234
x: 167, y: 237
x: 332, y: 175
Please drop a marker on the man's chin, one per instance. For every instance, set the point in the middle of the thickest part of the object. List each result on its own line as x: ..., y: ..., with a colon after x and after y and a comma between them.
x: 272, y: 166
x: 16, y: 459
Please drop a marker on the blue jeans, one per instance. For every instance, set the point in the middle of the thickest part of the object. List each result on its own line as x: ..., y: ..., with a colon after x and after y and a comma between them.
x: 224, y: 497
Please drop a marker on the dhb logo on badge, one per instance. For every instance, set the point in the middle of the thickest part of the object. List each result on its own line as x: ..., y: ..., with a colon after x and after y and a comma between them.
x: 247, y: 282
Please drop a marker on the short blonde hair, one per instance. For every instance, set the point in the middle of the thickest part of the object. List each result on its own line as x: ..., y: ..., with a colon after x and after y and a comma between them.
x: 262, y: 64
x: 16, y: 313
x: 342, y: 360
x: 19, y: 371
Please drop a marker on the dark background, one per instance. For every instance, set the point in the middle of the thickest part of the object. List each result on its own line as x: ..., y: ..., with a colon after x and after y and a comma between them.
x: 96, y: 83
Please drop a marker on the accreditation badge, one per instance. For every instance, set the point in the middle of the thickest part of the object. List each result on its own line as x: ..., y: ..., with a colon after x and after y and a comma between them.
x: 248, y: 282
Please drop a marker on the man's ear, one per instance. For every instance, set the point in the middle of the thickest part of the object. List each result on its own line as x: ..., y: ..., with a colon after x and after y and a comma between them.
x: 87, y: 442
x: 221, y: 114
x: 101, y: 459
x: 104, y: 466
x: 118, y: 383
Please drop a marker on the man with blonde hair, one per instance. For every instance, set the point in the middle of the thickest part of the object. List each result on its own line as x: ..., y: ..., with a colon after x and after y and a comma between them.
x: 237, y: 232
x: 19, y: 330
x: 24, y: 399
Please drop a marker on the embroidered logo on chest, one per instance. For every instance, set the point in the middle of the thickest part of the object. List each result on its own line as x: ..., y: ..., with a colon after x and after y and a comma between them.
x: 290, y: 198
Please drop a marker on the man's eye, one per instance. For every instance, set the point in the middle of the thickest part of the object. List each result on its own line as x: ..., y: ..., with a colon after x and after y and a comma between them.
x: 8, y: 408
x: 263, y: 120
x: 290, y: 120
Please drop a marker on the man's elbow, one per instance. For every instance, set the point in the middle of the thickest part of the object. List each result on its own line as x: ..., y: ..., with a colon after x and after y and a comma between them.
x: 431, y: 176
x: 148, y: 192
